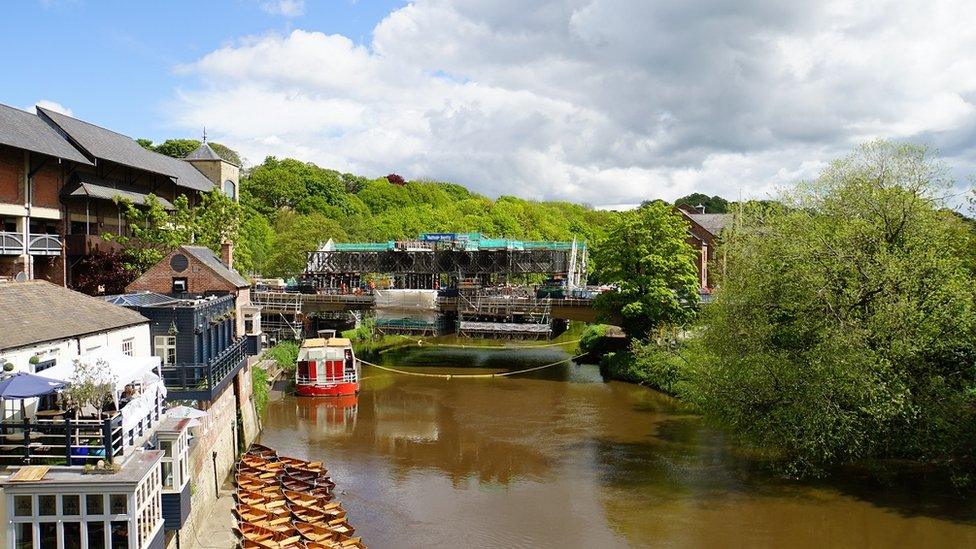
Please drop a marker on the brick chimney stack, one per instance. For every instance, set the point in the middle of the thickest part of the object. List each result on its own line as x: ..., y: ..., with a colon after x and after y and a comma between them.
x: 227, y: 253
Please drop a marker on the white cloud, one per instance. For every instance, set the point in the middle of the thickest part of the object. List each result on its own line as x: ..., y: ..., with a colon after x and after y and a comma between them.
x: 287, y: 8
x: 50, y: 105
x: 600, y: 101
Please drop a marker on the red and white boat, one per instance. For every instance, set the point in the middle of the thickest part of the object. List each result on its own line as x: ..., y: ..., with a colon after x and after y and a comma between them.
x: 326, y: 367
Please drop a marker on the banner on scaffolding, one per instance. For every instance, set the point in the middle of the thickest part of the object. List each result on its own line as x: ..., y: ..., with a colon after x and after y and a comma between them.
x: 406, y: 300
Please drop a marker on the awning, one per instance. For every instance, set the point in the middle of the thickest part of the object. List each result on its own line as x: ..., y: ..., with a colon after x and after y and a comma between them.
x: 121, y: 368
x: 103, y: 189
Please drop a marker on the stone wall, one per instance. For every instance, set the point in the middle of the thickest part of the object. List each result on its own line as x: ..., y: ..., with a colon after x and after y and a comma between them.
x: 217, y: 436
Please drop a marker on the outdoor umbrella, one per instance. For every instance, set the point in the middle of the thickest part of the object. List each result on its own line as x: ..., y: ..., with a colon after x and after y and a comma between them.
x: 180, y: 412
x: 23, y: 385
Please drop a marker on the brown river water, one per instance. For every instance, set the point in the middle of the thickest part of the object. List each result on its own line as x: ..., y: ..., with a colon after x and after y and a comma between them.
x: 560, y: 458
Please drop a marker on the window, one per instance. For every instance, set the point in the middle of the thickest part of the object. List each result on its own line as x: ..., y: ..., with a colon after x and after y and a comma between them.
x: 44, y: 365
x: 47, y: 505
x: 96, y: 534
x: 70, y: 504
x: 167, y: 470
x: 118, y: 504
x: 229, y: 188
x: 166, y: 349
x: 72, y: 535
x: 24, y: 535
x: 127, y: 345
x: 120, y: 534
x: 49, y: 534
x: 90, y: 349
x: 95, y: 504
x: 8, y: 224
x: 179, y: 285
x: 22, y: 506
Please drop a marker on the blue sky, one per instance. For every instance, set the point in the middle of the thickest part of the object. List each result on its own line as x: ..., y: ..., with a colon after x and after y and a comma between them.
x: 112, y: 62
x: 606, y: 102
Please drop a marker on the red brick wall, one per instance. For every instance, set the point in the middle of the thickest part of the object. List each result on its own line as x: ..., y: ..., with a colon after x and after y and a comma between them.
x: 200, y: 278
x: 11, y: 176
x: 47, y: 186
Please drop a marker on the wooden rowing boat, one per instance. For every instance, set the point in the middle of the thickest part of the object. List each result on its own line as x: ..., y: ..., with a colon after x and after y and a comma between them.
x: 343, y: 542
x: 333, y: 517
x: 250, y: 544
x: 253, y: 483
x: 301, y: 463
x: 308, y: 500
x: 270, y: 498
x: 255, y: 472
x: 314, y: 532
x: 307, y: 475
x: 289, y: 482
x: 254, y: 514
x: 261, y: 463
x: 262, y: 451
x: 260, y: 534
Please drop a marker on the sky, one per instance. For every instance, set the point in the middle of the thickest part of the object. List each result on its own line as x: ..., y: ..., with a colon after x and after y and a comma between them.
x: 605, y: 102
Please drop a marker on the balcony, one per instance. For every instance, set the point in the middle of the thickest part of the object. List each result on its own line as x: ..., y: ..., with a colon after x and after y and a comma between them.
x: 61, y: 442
x: 12, y: 243
x: 204, y: 381
x: 88, y: 244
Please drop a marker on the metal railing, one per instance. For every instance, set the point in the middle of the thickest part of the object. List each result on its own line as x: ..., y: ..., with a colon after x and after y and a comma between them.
x: 61, y: 442
x: 203, y: 380
x: 12, y: 243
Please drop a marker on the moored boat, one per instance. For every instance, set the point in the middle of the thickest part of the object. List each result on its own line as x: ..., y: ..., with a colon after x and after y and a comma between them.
x: 254, y: 483
x: 326, y: 367
x: 270, y: 498
x: 296, y: 463
x: 260, y: 534
x: 308, y: 500
x: 291, y: 483
x: 263, y: 451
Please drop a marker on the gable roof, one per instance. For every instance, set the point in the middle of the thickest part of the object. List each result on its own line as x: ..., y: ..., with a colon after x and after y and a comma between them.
x: 37, y: 311
x: 25, y: 130
x: 206, y: 256
x: 713, y: 223
x: 121, y: 149
x: 90, y: 186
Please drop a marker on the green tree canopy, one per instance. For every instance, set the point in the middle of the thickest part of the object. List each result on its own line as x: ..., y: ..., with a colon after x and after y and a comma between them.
x: 712, y: 204
x: 644, y: 253
x: 844, y: 327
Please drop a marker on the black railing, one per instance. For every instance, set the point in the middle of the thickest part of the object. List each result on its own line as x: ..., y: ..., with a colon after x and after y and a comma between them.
x: 61, y: 442
x: 202, y: 381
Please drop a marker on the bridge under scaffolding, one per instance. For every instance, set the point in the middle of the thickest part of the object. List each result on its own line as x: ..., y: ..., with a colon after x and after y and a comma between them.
x: 462, y: 283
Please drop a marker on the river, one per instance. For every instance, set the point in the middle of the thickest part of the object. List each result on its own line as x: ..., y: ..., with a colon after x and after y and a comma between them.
x: 560, y: 458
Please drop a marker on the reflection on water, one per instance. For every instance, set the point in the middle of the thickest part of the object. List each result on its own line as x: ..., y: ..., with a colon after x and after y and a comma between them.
x: 558, y: 458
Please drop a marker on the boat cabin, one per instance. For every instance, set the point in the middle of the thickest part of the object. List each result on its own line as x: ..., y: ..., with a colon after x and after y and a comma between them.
x: 326, y: 367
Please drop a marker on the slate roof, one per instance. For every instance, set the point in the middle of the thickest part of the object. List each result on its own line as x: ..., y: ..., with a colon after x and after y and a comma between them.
x: 91, y: 186
x: 121, y: 149
x: 206, y: 256
x: 26, y: 131
x: 203, y: 152
x: 713, y: 223
x: 37, y: 311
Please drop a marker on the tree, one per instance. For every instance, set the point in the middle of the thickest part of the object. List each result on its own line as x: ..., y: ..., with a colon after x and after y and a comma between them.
x: 644, y: 254
x: 103, y: 273
x: 396, y: 179
x: 712, y: 204
x: 843, y: 328
x: 153, y: 231
x: 295, y: 236
x: 179, y: 148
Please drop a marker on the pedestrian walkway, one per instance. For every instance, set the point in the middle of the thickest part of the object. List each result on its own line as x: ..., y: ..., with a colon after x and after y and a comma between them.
x: 216, y: 531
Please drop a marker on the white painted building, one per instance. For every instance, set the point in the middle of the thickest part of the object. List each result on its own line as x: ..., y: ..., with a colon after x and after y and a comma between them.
x: 44, y: 325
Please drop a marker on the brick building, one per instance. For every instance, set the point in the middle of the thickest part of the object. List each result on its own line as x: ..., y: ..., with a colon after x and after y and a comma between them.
x: 60, y: 176
x: 704, y: 233
x: 196, y: 270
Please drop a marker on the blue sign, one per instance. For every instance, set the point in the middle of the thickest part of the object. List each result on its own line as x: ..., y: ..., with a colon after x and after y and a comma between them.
x: 437, y: 237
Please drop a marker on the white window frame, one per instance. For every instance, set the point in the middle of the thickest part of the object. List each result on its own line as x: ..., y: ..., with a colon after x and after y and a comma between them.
x: 161, y: 346
x: 127, y: 345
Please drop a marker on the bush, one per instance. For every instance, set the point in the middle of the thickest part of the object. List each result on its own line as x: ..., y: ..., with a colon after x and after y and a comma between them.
x: 260, y: 389
x: 285, y: 354
x: 647, y: 364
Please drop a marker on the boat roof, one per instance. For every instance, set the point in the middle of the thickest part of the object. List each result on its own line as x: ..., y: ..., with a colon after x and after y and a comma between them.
x: 327, y: 342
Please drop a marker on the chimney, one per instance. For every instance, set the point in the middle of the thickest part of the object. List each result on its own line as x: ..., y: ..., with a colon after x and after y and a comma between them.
x: 700, y: 207
x: 227, y: 253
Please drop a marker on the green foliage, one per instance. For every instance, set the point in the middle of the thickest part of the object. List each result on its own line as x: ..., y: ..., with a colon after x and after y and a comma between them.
x: 155, y: 231
x: 285, y: 354
x: 843, y: 329
x: 179, y: 148
x: 261, y: 389
x: 91, y: 384
x: 591, y: 336
x: 306, y: 205
x: 645, y: 255
x: 712, y: 204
